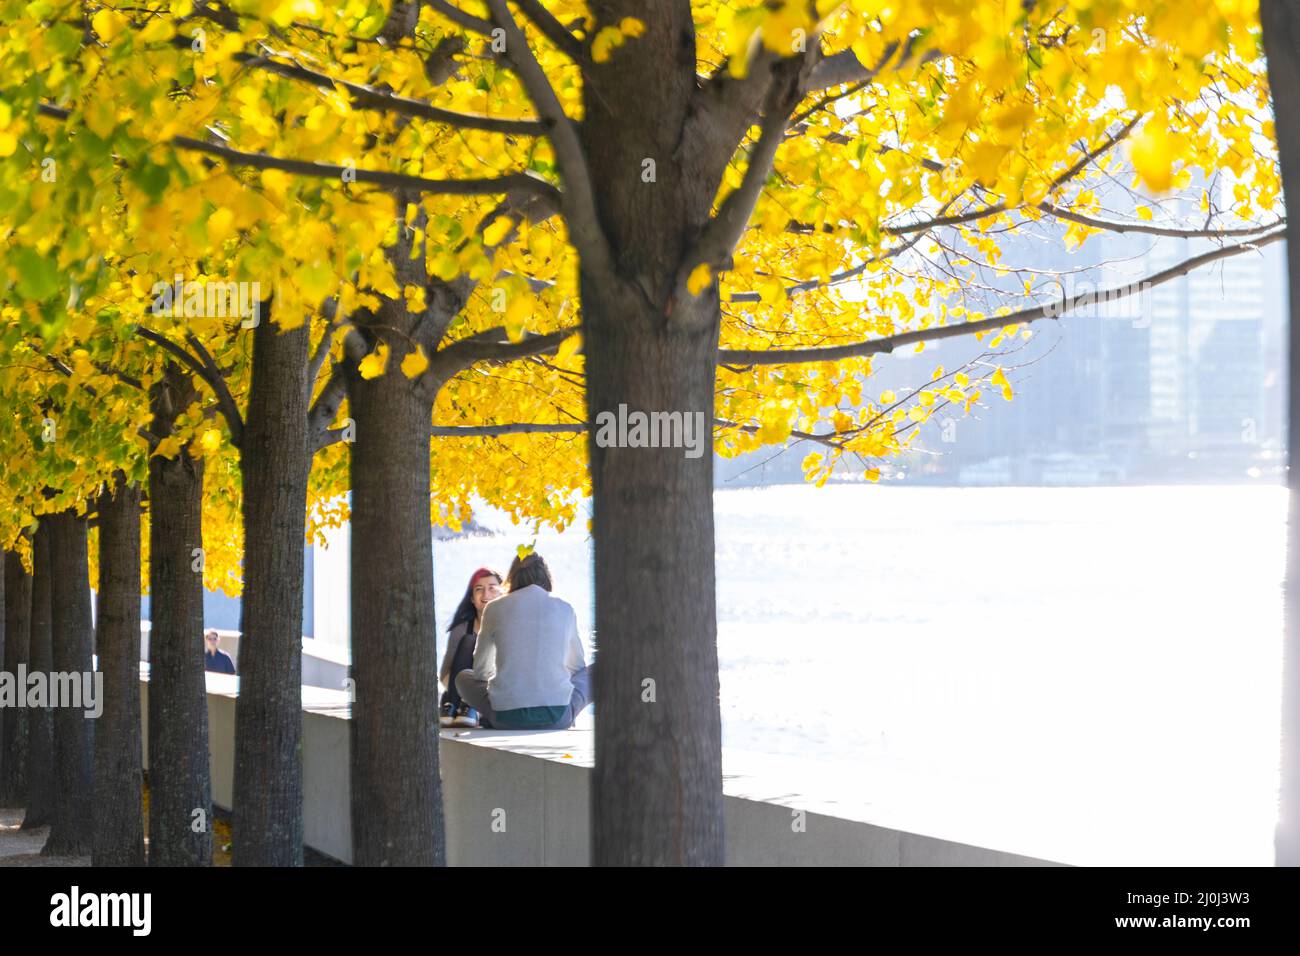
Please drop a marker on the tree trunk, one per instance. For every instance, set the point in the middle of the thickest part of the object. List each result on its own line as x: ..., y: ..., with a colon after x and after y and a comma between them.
x: 18, y: 629
x: 40, y: 720
x: 4, y: 771
x: 657, y: 787
x: 276, y: 462
x: 74, y: 648
x: 1281, y: 27
x: 396, y: 791
x: 180, y: 785
x: 118, y: 812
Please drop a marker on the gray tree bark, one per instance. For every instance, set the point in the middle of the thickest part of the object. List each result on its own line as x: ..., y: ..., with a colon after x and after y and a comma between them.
x: 40, y: 720
x: 13, y: 732
x: 657, y: 788
x: 74, y: 731
x: 118, y: 838
x: 275, y: 462
x: 396, y: 817
x: 1281, y: 27
x: 180, y: 785
x: 4, y: 771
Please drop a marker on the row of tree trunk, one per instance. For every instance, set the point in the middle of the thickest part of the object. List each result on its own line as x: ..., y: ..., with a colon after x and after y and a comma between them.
x: 83, y: 776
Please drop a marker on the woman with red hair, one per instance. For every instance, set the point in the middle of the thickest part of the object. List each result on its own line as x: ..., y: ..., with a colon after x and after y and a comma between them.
x: 462, y: 635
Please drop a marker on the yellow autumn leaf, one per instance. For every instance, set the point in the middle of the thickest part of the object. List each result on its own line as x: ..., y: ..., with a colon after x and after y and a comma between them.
x: 983, y: 160
x: 699, y: 279
x: 517, y: 315
x: 445, y: 266
x: 604, y: 44
x: 1152, y: 153
x: 81, y: 363
x: 100, y: 116
x: 374, y: 364
x: 157, y: 30
x: 415, y: 363
x: 787, y: 28
x: 169, y: 447
x: 316, y: 280
x: 108, y: 24
x: 497, y: 231
x: 414, y: 296
x: 568, y: 347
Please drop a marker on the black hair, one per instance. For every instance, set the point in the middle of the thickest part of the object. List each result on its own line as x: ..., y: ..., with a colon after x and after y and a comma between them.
x: 530, y: 569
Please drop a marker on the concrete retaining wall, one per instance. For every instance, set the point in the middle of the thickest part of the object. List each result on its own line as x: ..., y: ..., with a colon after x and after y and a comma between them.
x: 519, y: 799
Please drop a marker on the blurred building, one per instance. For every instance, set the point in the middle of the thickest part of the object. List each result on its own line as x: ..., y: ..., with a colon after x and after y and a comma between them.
x: 1179, y: 382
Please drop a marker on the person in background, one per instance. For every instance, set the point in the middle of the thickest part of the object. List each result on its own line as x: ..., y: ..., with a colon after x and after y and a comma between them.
x: 214, y: 658
x: 529, y: 669
x: 462, y: 636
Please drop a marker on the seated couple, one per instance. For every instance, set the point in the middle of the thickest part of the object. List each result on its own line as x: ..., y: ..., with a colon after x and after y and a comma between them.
x: 514, y: 662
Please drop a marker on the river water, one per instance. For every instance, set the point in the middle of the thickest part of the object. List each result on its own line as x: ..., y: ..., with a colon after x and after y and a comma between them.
x: 1086, y: 674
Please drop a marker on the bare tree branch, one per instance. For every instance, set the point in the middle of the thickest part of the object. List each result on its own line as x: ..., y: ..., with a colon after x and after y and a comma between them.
x: 330, y: 310
x: 368, y: 98
x: 578, y: 200
x: 514, y: 428
x: 728, y: 225
x: 1055, y: 309
x: 1089, y: 155
x: 843, y: 276
x: 461, y: 18
x: 216, y: 379
x: 488, y: 347
x: 1151, y: 229
x: 554, y: 30
x: 213, y: 379
x: 723, y: 232
x: 791, y: 79
x: 840, y: 68
x: 326, y: 407
x: 525, y: 183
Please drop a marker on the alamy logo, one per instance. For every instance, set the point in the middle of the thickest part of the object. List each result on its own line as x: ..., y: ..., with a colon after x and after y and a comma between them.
x: 652, y: 430
x: 1080, y: 297
x: 75, y: 908
x: 189, y: 299
x: 80, y: 691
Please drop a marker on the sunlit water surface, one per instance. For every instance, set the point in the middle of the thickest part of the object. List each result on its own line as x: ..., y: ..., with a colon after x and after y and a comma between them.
x: 1090, y: 675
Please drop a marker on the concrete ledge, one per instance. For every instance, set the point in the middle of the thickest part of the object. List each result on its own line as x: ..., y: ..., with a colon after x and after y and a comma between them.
x: 324, y: 665
x: 523, y: 799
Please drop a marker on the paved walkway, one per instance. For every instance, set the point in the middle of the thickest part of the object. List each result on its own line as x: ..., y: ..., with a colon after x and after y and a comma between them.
x: 19, y: 847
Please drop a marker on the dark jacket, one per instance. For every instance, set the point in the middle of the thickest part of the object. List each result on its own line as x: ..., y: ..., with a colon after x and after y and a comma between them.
x: 458, y: 633
x: 218, y: 663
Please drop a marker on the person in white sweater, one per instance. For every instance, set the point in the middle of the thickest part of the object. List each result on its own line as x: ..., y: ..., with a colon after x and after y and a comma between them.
x: 529, y: 669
